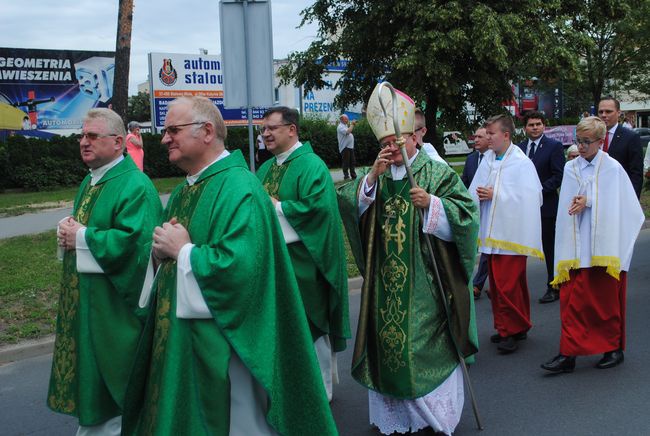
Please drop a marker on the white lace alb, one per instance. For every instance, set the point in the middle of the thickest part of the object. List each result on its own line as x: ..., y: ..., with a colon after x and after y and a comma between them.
x: 440, y: 409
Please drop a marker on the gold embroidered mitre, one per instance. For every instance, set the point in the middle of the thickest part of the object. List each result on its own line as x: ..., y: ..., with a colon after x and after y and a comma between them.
x: 382, y: 126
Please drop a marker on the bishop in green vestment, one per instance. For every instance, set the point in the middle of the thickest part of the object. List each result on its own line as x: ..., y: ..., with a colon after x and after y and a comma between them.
x: 405, y: 349
x: 226, y: 349
x: 301, y: 188
x: 107, y: 243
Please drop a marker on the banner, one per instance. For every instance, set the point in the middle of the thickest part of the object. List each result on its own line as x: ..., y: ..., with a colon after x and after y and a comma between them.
x: 52, y: 89
x: 175, y: 75
x: 565, y: 134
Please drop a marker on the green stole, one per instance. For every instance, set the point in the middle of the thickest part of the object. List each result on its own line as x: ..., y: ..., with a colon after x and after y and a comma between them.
x: 173, y: 341
x: 394, y: 262
x: 73, y: 359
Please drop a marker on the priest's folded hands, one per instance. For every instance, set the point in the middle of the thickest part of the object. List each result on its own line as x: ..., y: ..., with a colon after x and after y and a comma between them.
x: 67, y: 233
x: 168, y: 239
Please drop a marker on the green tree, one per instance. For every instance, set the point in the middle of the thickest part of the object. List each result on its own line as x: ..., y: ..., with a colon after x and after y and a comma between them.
x: 442, y: 53
x: 139, y: 108
x: 611, y: 38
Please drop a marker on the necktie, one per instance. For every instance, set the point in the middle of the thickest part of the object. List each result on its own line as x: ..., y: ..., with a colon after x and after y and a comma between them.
x: 480, y: 158
x: 531, y: 151
x: 606, y: 144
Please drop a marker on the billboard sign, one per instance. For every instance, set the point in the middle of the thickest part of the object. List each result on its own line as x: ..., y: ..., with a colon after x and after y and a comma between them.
x: 320, y: 102
x: 52, y: 89
x: 174, y: 75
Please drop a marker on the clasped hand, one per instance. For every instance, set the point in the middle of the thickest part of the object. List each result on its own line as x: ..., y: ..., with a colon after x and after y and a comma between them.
x: 578, y: 204
x: 67, y: 233
x: 485, y: 192
x: 168, y: 239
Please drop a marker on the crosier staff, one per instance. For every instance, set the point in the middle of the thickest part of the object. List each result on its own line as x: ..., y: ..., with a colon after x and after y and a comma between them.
x: 401, y: 143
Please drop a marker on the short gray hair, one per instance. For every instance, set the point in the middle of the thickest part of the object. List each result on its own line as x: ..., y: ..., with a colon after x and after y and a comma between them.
x: 113, y: 121
x: 132, y: 126
x: 204, y: 110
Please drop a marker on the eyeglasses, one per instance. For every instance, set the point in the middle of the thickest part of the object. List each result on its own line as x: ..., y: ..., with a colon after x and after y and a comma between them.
x: 172, y: 130
x: 273, y: 128
x: 585, y: 141
x: 92, y: 136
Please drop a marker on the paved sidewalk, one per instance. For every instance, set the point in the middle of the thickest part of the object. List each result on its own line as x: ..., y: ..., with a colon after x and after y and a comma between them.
x: 38, y: 222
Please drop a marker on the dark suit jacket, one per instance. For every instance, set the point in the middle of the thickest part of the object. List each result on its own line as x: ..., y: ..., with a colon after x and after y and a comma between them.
x: 626, y: 149
x: 471, y: 165
x: 549, y: 162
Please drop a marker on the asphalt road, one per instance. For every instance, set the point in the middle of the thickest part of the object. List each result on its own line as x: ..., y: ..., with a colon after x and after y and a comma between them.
x: 515, y: 396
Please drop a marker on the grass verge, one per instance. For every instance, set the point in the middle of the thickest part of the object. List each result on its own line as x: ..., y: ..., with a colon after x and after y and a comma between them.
x: 18, y: 203
x: 29, y: 288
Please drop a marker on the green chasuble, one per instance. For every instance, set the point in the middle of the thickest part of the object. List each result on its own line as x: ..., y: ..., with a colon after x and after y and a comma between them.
x: 180, y: 384
x: 304, y: 186
x: 404, y: 348
x: 97, y: 330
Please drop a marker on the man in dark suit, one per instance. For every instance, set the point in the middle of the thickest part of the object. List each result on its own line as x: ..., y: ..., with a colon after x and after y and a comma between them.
x: 548, y: 156
x: 471, y: 165
x: 621, y: 143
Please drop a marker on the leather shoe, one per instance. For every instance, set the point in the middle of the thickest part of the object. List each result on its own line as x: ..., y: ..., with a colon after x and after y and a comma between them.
x: 560, y: 363
x: 611, y: 359
x: 508, y: 345
x: 496, y: 338
x: 550, y: 296
x: 477, y: 293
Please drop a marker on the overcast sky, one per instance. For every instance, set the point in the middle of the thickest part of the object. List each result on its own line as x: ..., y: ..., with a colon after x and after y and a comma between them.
x: 162, y: 26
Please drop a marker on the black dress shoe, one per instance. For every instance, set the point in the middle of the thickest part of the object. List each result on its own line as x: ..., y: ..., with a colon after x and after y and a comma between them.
x: 560, y: 363
x: 508, y: 345
x: 611, y: 359
x: 550, y: 296
x: 496, y: 338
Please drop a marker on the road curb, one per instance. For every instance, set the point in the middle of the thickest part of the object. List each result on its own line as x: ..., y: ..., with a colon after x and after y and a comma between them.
x: 38, y: 347
x: 26, y: 349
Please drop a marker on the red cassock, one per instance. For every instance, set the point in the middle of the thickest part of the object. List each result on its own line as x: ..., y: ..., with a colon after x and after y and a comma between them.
x: 509, y: 294
x: 592, y: 310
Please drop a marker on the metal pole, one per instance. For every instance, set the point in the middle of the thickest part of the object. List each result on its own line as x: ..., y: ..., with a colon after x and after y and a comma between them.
x: 400, y: 141
x: 249, y: 109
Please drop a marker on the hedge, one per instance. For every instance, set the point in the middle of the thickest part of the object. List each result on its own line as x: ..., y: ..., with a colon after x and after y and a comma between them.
x: 38, y: 164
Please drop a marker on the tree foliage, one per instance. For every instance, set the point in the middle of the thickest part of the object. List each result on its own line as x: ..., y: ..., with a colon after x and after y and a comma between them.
x: 139, y: 108
x: 611, y: 38
x: 442, y: 53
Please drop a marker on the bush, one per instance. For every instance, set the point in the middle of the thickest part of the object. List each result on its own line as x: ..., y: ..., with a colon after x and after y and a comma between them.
x: 40, y: 164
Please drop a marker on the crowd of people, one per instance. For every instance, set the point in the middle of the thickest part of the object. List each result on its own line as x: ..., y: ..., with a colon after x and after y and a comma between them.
x: 224, y: 313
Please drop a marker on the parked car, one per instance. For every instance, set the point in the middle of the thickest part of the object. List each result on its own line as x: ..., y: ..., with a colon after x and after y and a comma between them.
x: 644, y: 133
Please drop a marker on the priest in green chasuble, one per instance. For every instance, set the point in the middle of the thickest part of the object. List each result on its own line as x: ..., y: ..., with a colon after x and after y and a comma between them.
x: 301, y: 189
x: 405, y: 348
x: 226, y: 348
x: 105, y: 246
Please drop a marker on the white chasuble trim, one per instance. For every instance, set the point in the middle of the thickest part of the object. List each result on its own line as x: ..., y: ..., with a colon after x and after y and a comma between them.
x: 150, y: 275
x: 190, y: 303
x: 289, y: 233
x: 86, y: 262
